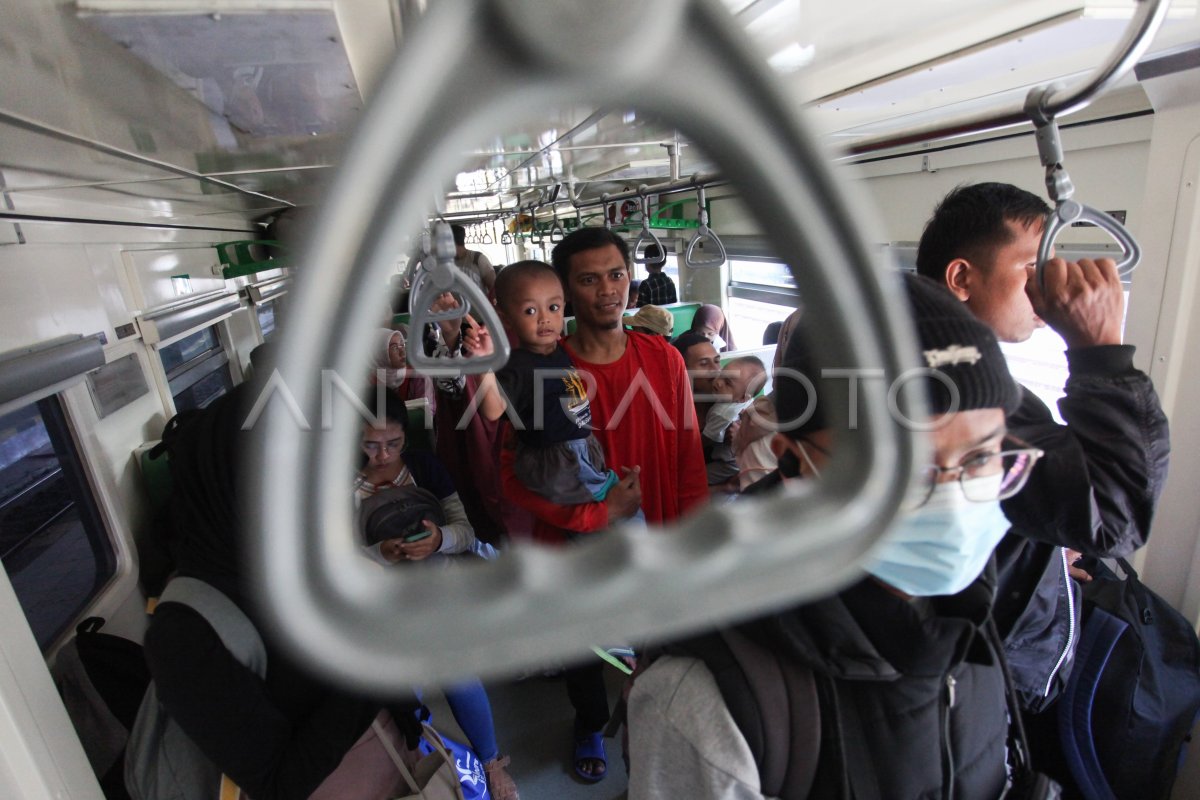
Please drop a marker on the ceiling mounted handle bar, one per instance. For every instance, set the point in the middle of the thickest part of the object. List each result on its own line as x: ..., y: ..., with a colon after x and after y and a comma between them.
x: 1147, y: 18
x: 557, y: 234
x: 704, y: 238
x: 444, y: 277
x: 1061, y: 190
x: 327, y: 604
x: 646, y: 238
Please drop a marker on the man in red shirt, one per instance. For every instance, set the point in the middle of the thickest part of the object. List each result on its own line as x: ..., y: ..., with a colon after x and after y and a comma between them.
x: 643, y: 417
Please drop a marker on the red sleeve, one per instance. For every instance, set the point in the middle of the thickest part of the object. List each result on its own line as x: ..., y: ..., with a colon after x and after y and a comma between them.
x: 693, y: 480
x: 583, y: 518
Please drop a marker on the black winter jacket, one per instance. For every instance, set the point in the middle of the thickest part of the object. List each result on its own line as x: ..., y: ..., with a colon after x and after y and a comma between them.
x: 1094, y: 491
x: 911, y: 698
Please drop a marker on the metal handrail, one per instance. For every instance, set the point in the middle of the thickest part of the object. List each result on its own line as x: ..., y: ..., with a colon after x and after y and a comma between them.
x: 1139, y: 34
x: 557, y: 234
x: 646, y: 237
x: 1061, y: 189
x: 704, y: 234
x: 430, y: 283
x: 388, y: 629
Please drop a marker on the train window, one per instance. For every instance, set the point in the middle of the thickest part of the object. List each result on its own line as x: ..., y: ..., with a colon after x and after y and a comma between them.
x: 197, y: 369
x: 266, y: 319
x: 53, y: 545
x: 761, y: 291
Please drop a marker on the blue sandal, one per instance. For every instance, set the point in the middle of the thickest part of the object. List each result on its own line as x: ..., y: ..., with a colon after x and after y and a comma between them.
x: 590, y: 748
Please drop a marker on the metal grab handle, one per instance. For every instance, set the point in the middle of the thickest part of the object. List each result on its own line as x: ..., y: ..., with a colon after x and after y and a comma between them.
x: 704, y: 234
x: 646, y: 237
x: 1069, y: 212
x: 506, y: 237
x: 433, y: 283
x: 557, y: 234
x: 604, y: 205
x: 326, y: 603
x: 487, y: 237
x: 1061, y: 189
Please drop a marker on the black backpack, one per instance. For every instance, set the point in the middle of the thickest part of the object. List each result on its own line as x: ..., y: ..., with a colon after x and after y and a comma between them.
x: 1133, y: 696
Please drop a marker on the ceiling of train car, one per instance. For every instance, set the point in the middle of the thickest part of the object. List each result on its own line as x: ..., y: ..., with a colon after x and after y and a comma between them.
x: 204, y: 111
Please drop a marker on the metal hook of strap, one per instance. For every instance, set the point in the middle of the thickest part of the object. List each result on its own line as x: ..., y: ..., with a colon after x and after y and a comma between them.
x: 704, y: 238
x: 604, y: 206
x: 574, y: 195
x: 445, y: 278
x: 646, y: 238
x: 557, y: 234
x: 1061, y: 189
x: 329, y: 605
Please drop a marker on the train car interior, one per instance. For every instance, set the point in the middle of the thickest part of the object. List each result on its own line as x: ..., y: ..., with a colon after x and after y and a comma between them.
x: 185, y: 181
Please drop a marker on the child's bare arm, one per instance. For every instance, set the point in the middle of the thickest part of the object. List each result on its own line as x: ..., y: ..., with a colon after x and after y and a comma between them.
x: 492, y: 404
x: 477, y: 341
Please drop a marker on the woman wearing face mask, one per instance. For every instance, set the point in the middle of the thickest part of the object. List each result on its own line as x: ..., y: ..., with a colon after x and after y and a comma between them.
x: 892, y: 687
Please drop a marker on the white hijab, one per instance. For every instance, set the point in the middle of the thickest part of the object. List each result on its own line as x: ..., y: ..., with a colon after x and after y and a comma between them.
x: 383, y: 361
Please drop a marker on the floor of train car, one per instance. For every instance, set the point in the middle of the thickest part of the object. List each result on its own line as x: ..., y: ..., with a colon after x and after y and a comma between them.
x: 533, y: 725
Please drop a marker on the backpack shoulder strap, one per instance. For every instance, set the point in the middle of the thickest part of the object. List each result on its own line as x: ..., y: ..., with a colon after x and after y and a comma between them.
x: 235, y: 629
x: 778, y: 702
x: 1100, y: 636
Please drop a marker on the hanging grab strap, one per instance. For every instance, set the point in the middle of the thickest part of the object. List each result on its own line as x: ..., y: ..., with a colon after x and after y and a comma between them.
x: 326, y: 602
x: 1059, y: 186
x: 646, y: 237
x: 705, y: 239
x: 442, y: 278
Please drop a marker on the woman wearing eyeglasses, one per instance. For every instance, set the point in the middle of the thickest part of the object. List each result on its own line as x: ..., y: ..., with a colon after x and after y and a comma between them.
x: 894, y: 686
x: 389, y: 464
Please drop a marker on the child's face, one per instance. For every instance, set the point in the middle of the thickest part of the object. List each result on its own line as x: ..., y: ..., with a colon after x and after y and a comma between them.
x: 736, y: 382
x: 534, y: 313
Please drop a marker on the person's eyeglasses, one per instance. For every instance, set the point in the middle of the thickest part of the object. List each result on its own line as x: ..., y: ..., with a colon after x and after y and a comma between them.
x: 1013, y: 464
x: 374, y: 448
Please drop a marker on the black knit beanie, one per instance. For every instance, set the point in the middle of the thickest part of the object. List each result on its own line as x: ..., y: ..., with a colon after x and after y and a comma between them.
x: 961, y: 349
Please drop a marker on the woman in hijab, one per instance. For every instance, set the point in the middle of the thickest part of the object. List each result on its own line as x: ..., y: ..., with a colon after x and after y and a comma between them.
x: 390, y: 365
x: 710, y: 323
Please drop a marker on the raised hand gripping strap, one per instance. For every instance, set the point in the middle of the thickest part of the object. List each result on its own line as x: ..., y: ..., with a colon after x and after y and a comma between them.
x: 1069, y: 212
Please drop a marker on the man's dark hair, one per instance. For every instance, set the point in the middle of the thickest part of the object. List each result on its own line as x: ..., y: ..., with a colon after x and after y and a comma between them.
x: 581, y: 240
x: 686, y: 341
x: 513, y: 274
x: 460, y: 235
x: 970, y: 223
x: 654, y: 257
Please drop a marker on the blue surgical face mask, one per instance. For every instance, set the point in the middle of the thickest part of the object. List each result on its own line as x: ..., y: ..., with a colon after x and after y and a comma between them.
x: 941, y: 547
